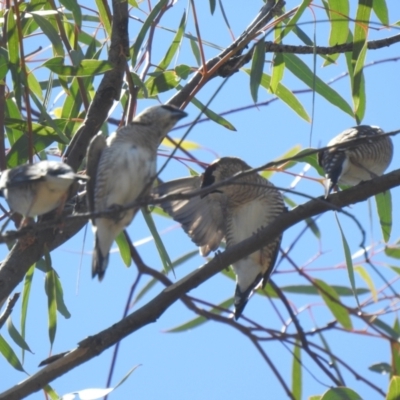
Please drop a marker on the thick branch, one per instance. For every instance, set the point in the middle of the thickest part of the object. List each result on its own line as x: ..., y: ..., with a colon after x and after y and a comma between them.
x: 96, y: 344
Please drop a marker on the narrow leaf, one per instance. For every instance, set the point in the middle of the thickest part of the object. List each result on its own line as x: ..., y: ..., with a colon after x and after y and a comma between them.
x: 9, y: 355
x: 145, y: 27
x: 85, y: 68
x: 74, y: 7
x: 297, y: 67
x: 367, y: 279
x: 51, y: 34
x: 157, y: 240
x: 257, y: 67
x: 384, y: 207
x: 50, y: 287
x: 212, y: 6
x: 15, y: 335
x: 349, y: 261
x: 296, y: 372
x: 382, y: 368
x: 332, y: 300
x: 381, y: 11
x: 103, y: 14
x: 278, y: 69
x: 61, y: 307
x: 124, y: 250
x: 338, y: 16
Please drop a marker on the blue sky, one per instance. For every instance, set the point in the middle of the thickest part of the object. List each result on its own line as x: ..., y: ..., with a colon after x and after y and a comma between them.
x: 214, y: 361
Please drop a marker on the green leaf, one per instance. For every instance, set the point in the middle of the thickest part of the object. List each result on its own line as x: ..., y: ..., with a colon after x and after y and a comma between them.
x: 51, y: 34
x: 285, y: 95
x: 359, y: 96
x: 333, y: 361
x: 124, y: 249
x: 157, y: 240
x: 195, y: 51
x: 296, y: 372
x: 196, y: 322
x: 381, y: 11
x: 338, y: 16
x: 9, y: 355
x: 293, y: 21
x: 278, y: 69
x: 145, y: 27
x: 186, y: 144
x: 50, y: 288
x: 332, y: 300
x: 340, y: 393
x: 386, y: 328
x: 297, y: 67
x: 74, y: 7
x: 308, y: 289
x: 367, y: 279
x: 183, y: 71
x: 103, y: 14
x: 257, y: 67
x: 15, y: 335
x: 160, y: 83
x: 393, y: 252
x: 394, y: 389
x: 51, y: 392
x: 25, y: 300
x: 384, y: 208
x: 61, y: 307
x: 85, y: 68
x: 349, y: 261
x: 3, y: 65
x: 382, y: 368
x: 176, y: 42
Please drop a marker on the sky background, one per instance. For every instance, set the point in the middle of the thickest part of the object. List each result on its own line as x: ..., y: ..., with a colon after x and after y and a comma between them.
x: 214, y: 361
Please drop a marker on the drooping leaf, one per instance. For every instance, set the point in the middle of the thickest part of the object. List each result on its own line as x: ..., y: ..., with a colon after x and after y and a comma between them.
x: 367, y: 279
x: 298, y: 67
x: 50, y: 288
x: 124, y: 249
x: 257, y: 67
x: 16, y: 336
x: 293, y: 21
x: 332, y: 300
x: 145, y: 27
x: 384, y: 208
x: 297, y: 372
x: 349, y: 261
x: 166, y: 261
x: 312, y: 290
x: 381, y: 11
x: 9, y: 355
x: 161, y: 82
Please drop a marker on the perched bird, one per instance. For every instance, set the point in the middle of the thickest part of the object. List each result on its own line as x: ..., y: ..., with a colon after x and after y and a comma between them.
x: 121, y: 169
x: 350, y: 165
x: 36, y: 189
x: 233, y: 212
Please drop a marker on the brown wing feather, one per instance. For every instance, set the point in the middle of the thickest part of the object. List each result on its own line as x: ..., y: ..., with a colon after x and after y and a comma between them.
x: 201, y: 218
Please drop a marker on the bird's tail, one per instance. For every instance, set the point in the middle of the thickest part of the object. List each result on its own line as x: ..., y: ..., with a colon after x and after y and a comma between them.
x: 328, y: 186
x: 99, y: 261
x: 241, y: 299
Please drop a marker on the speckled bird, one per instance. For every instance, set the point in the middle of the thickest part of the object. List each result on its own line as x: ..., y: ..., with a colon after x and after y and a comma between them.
x: 232, y: 212
x: 36, y: 189
x: 121, y: 168
x: 353, y: 164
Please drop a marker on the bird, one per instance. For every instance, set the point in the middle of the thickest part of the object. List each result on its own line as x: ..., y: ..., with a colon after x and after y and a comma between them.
x: 352, y: 164
x: 121, y: 169
x: 36, y: 189
x: 232, y: 212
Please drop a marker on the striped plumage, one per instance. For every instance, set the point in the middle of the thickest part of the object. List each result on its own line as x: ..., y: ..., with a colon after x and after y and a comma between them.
x: 121, y: 169
x: 234, y: 212
x: 36, y: 189
x: 362, y: 161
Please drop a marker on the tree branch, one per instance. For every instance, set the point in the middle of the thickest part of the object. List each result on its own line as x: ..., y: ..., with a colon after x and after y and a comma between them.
x: 96, y: 344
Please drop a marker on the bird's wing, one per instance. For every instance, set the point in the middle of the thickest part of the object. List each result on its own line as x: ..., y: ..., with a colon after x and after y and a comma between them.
x: 24, y: 174
x: 202, y: 218
x: 96, y: 147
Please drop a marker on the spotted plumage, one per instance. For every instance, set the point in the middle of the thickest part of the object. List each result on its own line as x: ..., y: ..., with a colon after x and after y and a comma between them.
x: 233, y: 212
x: 36, y: 189
x: 121, y: 168
x: 362, y: 161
